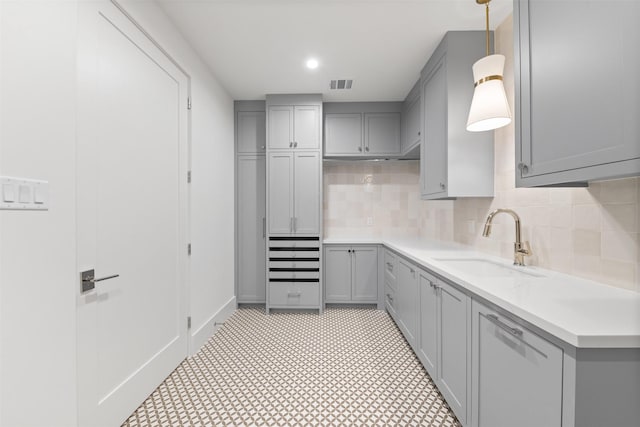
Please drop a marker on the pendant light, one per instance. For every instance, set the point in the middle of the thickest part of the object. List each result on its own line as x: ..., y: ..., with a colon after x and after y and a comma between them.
x: 489, y: 106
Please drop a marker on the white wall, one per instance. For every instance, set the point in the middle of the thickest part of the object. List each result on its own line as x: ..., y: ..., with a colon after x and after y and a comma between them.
x: 212, y: 189
x: 37, y: 249
x: 38, y: 272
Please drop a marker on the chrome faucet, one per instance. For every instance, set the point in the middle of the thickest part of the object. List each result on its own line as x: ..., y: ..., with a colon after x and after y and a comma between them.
x: 520, y: 249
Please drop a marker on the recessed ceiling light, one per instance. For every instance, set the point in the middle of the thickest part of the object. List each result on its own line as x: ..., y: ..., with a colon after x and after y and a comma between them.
x: 312, y: 64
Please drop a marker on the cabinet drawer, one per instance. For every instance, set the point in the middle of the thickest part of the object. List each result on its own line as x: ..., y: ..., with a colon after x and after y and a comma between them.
x: 293, y: 243
x: 294, y: 263
x: 390, y: 267
x: 293, y: 274
x: 286, y: 294
x: 390, y: 300
x: 303, y: 255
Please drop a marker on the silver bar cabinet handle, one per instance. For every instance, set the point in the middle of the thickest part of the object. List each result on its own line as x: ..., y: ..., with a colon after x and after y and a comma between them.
x: 513, y: 331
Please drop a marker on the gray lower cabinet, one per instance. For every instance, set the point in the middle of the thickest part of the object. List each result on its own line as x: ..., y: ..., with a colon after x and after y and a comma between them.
x: 454, y: 343
x: 428, y: 338
x: 579, y: 123
x: 294, y: 192
x: 407, y: 295
x: 445, y: 340
x: 351, y: 274
x: 453, y: 161
x: 517, y: 375
x: 251, y: 229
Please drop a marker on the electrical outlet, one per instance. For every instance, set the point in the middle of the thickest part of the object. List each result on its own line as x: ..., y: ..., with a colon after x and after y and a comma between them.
x: 369, y: 221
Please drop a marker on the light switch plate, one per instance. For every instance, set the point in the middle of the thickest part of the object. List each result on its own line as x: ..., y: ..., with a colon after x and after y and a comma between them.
x: 24, y: 194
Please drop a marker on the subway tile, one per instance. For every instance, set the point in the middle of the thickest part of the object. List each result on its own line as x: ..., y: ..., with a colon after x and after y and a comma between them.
x: 619, y: 274
x: 587, y: 217
x: 620, y: 246
x: 586, y: 243
x: 619, y: 191
x: 623, y: 217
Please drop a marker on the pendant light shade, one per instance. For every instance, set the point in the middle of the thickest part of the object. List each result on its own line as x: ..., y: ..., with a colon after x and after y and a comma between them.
x: 489, y: 106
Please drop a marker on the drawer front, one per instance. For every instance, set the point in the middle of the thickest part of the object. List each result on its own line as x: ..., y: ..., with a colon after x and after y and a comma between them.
x: 297, y: 243
x: 390, y: 267
x: 289, y: 264
x: 303, y: 254
x: 293, y: 274
x: 286, y: 294
x: 390, y: 300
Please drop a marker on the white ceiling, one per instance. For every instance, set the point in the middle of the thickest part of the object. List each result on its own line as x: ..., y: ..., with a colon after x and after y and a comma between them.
x: 255, y: 47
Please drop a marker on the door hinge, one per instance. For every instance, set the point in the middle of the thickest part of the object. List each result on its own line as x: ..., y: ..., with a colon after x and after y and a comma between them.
x: 189, y: 177
x: 189, y: 249
x: 189, y: 322
x: 189, y: 103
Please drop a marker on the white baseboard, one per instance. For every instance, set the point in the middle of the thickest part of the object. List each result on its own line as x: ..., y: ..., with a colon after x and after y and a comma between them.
x: 201, y: 335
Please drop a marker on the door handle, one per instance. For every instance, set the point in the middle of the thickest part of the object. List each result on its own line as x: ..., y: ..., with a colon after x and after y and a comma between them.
x: 89, y: 280
x: 264, y: 227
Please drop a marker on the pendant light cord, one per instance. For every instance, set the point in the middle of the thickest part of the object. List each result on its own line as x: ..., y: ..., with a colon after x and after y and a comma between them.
x: 487, y: 8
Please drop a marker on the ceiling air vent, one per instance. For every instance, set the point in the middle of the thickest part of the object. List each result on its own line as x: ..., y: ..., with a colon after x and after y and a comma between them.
x: 341, y: 84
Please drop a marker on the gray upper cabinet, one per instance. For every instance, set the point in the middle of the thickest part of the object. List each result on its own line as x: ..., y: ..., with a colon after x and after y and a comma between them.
x: 250, y: 132
x: 343, y: 134
x: 294, y: 127
x: 453, y: 161
x: 382, y: 134
x: 351, y: 274
x: 411, y: 123
x: 517, y: 375
x: 362, y: 129
x: 578, y: 122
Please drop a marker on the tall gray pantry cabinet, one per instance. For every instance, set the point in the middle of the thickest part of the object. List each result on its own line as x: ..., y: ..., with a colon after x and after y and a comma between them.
x: 294, y: 201
x: 250, y: 201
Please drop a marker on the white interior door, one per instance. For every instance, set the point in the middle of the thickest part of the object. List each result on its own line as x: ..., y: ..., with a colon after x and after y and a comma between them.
x: 132, y: 205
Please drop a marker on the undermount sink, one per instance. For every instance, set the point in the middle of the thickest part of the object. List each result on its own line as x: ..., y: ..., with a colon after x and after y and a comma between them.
x: 484, y: 268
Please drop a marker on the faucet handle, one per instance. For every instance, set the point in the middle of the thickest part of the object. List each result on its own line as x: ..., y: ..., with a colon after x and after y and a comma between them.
x: 525, y: 248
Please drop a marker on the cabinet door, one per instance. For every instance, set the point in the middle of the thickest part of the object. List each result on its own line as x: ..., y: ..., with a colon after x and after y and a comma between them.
x: 280, y: 130
x: 250, y: 131
x: 455, y: 344
x: 407, y: 300
x: 337, y: 273
x: 517, y: 375
x: 307, y: 193
x: 428, y: 338
x: 307, y: 126
x: 433, y: 154
x: 364, y: 286
x: 412, y: 131
x: 280, y: 193
x: 586, y: 113
x: 251, y: 225
x: 343, y: 134
x: 382, y: 133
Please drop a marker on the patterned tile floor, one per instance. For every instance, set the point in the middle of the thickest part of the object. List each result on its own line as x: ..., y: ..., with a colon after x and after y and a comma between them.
x: 350, y: 366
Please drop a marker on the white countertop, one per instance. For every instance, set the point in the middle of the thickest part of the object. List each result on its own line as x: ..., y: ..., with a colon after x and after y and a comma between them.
x: 580, y: 312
